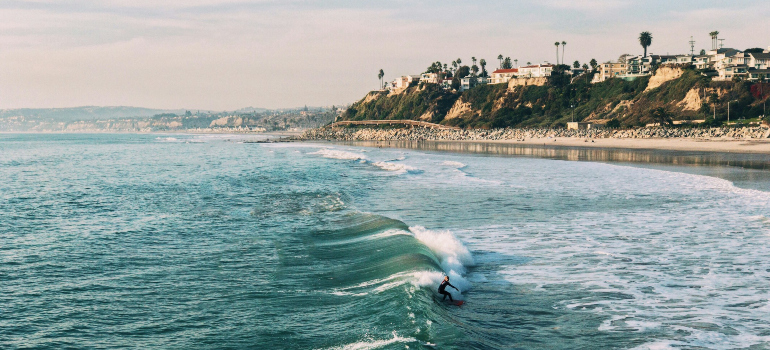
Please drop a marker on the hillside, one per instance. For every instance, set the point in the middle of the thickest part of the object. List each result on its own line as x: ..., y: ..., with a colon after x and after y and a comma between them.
x: 675, y: 93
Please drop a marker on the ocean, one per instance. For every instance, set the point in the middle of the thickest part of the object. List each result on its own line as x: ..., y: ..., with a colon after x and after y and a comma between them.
x: 212, y: 242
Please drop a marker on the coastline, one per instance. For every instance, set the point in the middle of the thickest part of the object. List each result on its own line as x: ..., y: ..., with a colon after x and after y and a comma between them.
x: 720, y: 140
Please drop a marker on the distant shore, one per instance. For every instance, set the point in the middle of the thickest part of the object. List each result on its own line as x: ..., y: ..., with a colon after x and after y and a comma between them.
x: 728, y: 140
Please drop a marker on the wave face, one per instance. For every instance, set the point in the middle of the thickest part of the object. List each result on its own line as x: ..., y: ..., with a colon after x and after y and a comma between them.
x: 223, y: 244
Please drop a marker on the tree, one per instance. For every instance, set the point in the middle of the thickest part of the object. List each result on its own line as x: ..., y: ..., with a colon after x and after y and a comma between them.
x: 714, y: 39
x: 593, y: 64
x: 702, y: 52
x: 483, y: 64
x: 382, y: 74
x: 507, y: 63
x: 612, y: 124
x: 754, y: 50
x: 454, y: 64
x: 500, y: 58
x: 585, y: 67
x: 517, y: 62
x: 473, y: 59
x: 563, y: 45
x: 645, y: 39
x: 576, y: 64
x: 462, y: 72
x: 661, y: 116
x: 475, y: 69
x: 459, y: 61
x: 557, y: 51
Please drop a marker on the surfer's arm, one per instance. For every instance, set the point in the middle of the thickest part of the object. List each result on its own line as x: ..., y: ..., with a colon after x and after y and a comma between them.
x: 453, y: 287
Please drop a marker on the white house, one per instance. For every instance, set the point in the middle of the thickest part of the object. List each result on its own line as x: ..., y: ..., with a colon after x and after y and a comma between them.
x: 501, y: 76
x: 403, y: 82
x: 535, y: 71
x: 431, y: 78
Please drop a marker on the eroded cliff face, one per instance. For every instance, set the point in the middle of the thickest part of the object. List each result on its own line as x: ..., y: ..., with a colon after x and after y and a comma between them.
x: 459, y: 109
x: 662, y: 75
x: 513, y: 83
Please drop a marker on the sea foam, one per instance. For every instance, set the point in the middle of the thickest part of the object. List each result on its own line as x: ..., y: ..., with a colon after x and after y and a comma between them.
x: 452, y: 254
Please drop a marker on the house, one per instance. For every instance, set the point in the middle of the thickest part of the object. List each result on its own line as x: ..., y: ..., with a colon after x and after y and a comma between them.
x: 403, y: 82
x: 446, y: 84
x: 535, y: 71
x: 430, y: 78
x: 470, y: 82
x: 501, y: 76
x: 609, y: 70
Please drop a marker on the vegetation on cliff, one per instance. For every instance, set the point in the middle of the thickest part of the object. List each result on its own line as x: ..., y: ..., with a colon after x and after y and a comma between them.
x: 679, y: 93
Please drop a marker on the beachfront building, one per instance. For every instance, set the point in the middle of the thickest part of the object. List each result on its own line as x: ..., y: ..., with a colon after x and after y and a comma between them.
x: 535, y: 71
x: 608, y: 70
x: 447, y: 84
x: 502, y: 76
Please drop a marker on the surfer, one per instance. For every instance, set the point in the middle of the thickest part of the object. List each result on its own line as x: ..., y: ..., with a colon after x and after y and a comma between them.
x: 442, y: 289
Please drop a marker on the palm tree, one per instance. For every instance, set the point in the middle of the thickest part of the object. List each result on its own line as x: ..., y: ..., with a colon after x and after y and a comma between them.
x: 500, y: 58
x: 454, y: 64
x: 474, y: 60
x: 576, y: 64
x: 483, y: 64
x: 593, y: 64
x: 585, y: 67
x: 517, y: 62
x: 557, y: 51
x: 459, y: 61
x: 379, y: 76
x: 714, y: 39
x: 563, y: 44
x: 475, y: 69
x: 645, y: 39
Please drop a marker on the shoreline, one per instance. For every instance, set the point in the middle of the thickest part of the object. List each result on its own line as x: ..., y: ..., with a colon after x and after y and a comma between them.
x: 719, y: 140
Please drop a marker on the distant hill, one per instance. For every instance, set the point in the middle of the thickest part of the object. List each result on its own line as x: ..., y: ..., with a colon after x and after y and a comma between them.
x: 85, y: 113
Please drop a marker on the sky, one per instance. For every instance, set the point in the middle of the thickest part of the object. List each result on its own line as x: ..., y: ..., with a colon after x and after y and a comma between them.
x: 230, y: 54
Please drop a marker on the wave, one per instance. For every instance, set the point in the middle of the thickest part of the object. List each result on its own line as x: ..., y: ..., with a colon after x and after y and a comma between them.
x: 454, y: 164
x: 388, y: 165
x: 395, y: 167
x: 337, y: 154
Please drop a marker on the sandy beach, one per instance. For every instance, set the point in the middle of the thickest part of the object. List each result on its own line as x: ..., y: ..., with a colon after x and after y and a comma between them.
x: 672, y: 144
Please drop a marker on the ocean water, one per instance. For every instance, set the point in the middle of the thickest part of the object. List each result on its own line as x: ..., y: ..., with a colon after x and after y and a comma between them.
x: 196, y: 241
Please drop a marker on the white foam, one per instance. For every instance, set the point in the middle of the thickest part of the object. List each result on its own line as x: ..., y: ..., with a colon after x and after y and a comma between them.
x: 337, y: 154
x: 452, y: 254
x: 454, y: 164
x: 374, y: 344
x: 395, y: 167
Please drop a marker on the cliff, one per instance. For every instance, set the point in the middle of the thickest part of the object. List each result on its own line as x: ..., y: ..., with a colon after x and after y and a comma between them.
x: 682, y: 92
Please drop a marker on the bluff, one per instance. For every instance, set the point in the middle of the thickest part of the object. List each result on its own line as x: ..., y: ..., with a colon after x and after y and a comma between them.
x: 673, y: 93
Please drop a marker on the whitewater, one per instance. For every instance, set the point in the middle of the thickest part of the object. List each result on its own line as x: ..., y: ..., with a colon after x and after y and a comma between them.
x: 196, y: 241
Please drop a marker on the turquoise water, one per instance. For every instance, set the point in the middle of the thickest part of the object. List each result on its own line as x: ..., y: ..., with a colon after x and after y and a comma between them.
x: 195, y: 241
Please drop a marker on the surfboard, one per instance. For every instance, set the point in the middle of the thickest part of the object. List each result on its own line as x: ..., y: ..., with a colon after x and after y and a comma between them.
x: 459, y: 302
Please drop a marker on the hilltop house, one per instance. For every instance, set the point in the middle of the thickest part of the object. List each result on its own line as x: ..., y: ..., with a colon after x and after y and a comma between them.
x: 759, y: 65
x: 535, y: 71
x: 470, y: 82
x: 431, y: 78
x: 609, y: 70
x: 501, y: 76
x: 403, y: 82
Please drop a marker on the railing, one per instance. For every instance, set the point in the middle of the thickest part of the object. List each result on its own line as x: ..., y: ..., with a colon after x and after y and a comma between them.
x: 392, y: 122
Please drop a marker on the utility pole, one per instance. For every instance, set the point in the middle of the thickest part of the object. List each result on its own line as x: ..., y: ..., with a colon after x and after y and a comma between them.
x: 692, y: 46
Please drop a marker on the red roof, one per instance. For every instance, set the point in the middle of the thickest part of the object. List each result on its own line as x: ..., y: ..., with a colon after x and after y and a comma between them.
x: 514, y: 70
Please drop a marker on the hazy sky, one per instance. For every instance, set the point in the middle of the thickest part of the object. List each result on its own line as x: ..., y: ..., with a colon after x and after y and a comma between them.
x: 224, y: 55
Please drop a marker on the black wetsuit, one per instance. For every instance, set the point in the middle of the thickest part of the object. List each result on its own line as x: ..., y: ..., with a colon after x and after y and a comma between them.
x: 442, y: 290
